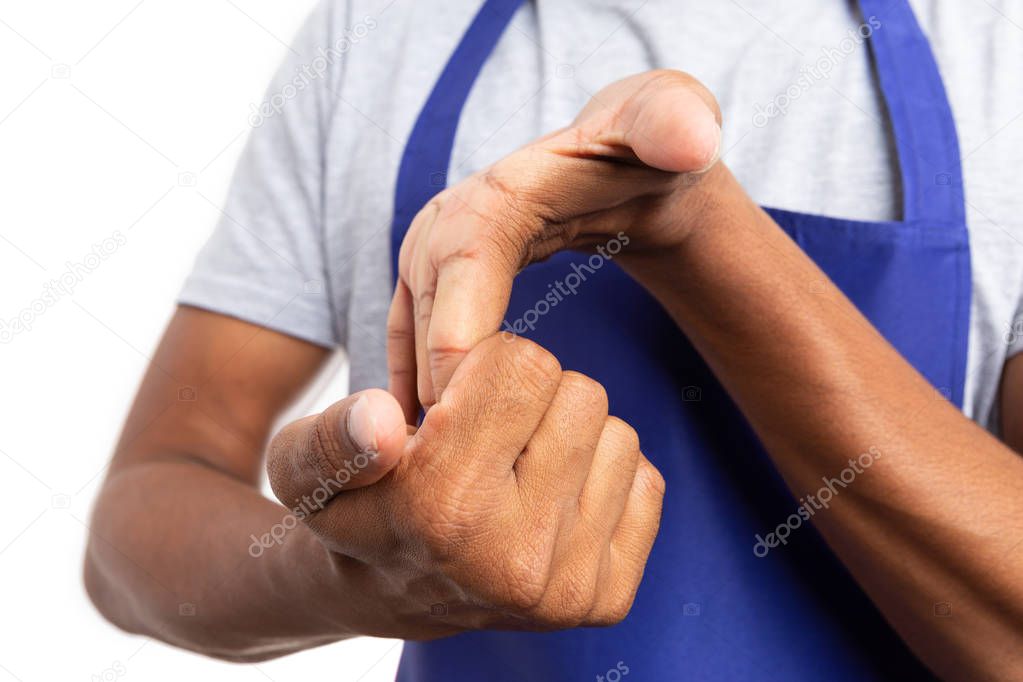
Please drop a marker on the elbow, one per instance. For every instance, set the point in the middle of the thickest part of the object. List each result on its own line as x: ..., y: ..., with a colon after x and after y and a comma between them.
x: 117, y: 607
x: 108, y: 601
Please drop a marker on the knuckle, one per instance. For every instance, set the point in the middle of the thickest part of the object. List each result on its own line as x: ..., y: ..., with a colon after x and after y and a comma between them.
x: 492, y: 180
x: 526, y: 366
x: 581, y: 389
x: 620, y: 436
x: 519, y: 573
x: 427, y: 450
x: 524, y: 583
x: 438, y: 429
x: 532, y: 359
x: 399, y: 335
x: 408, y: 245
x: 511, y: 200
x: 513, y: 209
x: 447, y: 345
x: 570, y: 603
x: 615, y: 611
x: 528, y: 199
x: 652, y: 479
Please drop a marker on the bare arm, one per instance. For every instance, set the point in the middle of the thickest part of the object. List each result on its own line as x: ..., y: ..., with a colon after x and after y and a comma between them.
x: 169, y: 549
x: 938, y: 518
x: 382, y: 523
x: 1012, y: 403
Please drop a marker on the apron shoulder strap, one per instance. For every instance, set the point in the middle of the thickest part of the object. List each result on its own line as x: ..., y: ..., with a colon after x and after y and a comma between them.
x: 427, y: 155
x: 922, y: 121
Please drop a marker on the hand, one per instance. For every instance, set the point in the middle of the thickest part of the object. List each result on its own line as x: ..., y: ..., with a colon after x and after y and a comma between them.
x: 519, y: 503
x: 624, y: 165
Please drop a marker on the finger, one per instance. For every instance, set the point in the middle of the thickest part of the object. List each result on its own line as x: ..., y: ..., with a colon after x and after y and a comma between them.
x: 610, y: 478
x: 422, y: 282
x: 517, y: 211
x: 489, y: 412
x: 582, y: 556
x: 466, y: 263
x: 422, y: 290
x: 667, y: 119
x: 470, y: 298
x: 488, y: 228
x: 351, y: 444
x: 630, y: 546
x: 401, y: 353
x: 558, y: 458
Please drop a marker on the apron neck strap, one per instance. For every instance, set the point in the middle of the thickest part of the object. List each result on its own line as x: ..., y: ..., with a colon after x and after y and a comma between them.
x: 922, y: 122
x: 424, y: 164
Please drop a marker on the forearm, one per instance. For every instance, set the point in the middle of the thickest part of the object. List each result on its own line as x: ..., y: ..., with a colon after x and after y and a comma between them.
x: 936, y: 516
x: 171, y: 555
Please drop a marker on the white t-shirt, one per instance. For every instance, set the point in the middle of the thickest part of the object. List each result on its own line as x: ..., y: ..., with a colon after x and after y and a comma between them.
x: 304, y: 246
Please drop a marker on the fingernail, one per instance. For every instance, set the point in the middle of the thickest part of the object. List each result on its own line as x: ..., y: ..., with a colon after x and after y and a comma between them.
x: 362, y: 427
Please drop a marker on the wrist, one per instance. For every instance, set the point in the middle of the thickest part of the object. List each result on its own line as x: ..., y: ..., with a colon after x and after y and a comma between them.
x: 316, y: 588
x: 707, y: 216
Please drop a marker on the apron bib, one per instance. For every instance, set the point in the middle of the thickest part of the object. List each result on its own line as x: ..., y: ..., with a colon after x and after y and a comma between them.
x: 709, y: 607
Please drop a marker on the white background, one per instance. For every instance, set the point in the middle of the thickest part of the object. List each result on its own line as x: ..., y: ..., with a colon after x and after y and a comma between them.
x: 129, y: 116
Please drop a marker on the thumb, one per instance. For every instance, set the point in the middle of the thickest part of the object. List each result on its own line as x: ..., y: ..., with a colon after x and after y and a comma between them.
x: 667, y: 119
x: 351, y: 444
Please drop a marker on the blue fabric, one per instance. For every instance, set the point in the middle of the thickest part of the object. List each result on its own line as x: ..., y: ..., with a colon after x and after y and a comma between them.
x: 709, y: 608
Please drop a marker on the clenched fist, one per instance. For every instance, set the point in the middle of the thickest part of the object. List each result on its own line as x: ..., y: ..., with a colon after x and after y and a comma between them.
x: 519, y: 503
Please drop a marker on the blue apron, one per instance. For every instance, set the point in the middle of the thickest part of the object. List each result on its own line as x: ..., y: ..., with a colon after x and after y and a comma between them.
x: 709, y: 608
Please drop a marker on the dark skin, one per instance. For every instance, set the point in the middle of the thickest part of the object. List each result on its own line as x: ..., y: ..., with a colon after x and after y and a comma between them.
x: 935, y: 520
x: 507, y: 451
x: 190, y: 470
x: 185, y: 477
